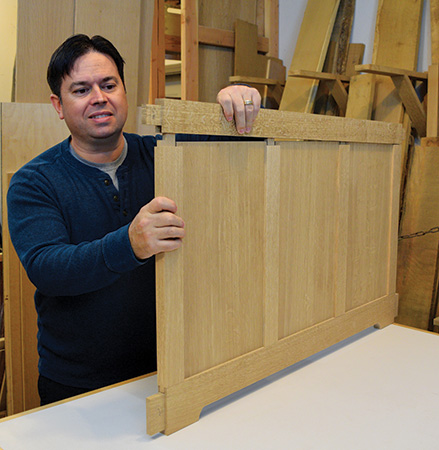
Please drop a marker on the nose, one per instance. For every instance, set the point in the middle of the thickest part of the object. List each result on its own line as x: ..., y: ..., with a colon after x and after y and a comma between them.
x: 98, y: 96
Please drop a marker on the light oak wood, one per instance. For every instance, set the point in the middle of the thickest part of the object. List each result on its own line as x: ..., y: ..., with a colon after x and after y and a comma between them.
x: 26, y: 131
x: 310, y: 52
x: 355, y: 57
x: 433, y: 101
x: 247, y: 61
x: 189, y: 50
x: 41, y: 27
x: 290, y: 247
x: 175, y: 116
x: 434, y: 25
x: 391, y: 71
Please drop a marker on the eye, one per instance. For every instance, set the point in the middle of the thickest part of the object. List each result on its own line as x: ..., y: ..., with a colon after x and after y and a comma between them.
x: 80, y: 91
x: 109, y: 87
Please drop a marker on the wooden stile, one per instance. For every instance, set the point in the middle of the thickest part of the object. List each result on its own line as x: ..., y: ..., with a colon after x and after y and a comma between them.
x: 290, y: 247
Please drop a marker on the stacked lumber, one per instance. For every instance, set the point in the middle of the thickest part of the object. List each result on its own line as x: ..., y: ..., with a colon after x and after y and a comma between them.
x: 417, y: 280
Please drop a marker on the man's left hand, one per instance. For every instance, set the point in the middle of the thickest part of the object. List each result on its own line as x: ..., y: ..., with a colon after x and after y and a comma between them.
x: 242, y: 103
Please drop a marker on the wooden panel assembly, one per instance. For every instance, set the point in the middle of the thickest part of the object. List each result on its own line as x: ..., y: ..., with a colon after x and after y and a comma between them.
x: 290, y: 247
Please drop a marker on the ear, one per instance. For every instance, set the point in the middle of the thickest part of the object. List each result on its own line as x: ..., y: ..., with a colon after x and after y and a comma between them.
x: 56, y: 102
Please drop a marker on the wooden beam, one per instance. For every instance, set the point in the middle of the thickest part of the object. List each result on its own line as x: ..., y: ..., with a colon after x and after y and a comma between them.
x: 254, y: 80
x: 361, y: 94
x: 391, y: 71
x: 175, y: 116
x: 411, y: 102
x: 189, y: 50
x: 433, y: 101
x: 157, y: 73
x: 434, y: 22
x: 213, y: 36
x: 322, y: 76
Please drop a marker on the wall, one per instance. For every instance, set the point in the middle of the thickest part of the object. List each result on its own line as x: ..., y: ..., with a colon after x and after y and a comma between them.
x: 8, y: 44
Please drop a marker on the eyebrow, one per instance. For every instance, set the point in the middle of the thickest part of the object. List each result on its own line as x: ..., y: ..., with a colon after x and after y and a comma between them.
x: 75, y: 84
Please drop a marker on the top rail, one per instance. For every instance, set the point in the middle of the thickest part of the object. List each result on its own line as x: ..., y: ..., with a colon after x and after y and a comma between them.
x: 188, y: 117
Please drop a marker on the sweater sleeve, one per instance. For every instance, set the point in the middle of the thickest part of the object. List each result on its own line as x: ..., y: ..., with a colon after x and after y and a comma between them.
x: 41, y: 237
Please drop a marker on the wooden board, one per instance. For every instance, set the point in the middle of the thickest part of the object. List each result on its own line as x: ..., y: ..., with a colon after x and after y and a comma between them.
x: 41, y: 27
x: 26, y: 131
x: 290, y: 247
x: 216, y: 63
x: 108, y: 19
x: 173, y: 116
x: 309, y: 54
x: 434, y: 25
x: 417, y: 259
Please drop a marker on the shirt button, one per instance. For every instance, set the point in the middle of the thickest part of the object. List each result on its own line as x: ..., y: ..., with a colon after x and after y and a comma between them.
x: 107, y: 182
x: 116, y: 198
x: 125, y: 212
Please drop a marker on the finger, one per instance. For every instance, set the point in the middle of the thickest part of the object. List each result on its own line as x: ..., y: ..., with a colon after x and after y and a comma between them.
x: 159, y: 204
x: 224, y: 99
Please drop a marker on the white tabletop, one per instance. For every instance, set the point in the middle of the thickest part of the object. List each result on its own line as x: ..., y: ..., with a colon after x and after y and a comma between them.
x: 379, y: 389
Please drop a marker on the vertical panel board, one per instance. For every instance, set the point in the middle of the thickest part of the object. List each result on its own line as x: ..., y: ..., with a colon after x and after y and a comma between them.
x: 42, y: 26
x: 170, y: 272
x: 272, y: 244
x: 121, y: 25
x: 308, y: 226
x: 223, y: 289
x: 26, y: 131
x: 145, y: 40
x: 216, y: 63
x: 370, y: 207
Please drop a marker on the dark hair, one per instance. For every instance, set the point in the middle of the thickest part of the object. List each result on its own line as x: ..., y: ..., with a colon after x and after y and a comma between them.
x: 65, y: 56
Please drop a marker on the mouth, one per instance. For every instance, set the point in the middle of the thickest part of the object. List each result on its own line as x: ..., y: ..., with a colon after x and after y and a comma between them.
x: 100, y: 115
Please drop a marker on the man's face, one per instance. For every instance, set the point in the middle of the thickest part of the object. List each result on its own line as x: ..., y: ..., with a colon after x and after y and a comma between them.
x: 93, y: 102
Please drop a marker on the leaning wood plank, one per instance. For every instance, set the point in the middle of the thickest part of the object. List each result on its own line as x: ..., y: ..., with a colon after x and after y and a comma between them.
x: 355, y: 56
x: 310, y: 52
x: 433, y: 101
x: 341, y: 35
x: 417, y: 257
x: 175, y: 116
x: 398, y: 27
x: 186, y: 400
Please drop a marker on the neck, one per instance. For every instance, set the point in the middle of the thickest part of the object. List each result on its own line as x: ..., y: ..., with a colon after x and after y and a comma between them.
x: 102, y: 151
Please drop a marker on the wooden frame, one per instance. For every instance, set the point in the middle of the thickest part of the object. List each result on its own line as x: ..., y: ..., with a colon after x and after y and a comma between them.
x: 290, y: 247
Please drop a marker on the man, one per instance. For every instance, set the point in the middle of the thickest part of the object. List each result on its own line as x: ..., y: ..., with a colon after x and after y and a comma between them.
x: 85, y: 224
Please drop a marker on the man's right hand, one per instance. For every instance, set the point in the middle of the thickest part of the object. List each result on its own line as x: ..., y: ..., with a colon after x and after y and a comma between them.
x: 156, y: 228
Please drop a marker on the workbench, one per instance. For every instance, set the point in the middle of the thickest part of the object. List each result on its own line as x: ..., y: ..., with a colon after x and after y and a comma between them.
x: 377, y: 389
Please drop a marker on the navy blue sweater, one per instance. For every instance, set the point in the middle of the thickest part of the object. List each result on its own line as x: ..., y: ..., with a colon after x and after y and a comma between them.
x: 95, y: 300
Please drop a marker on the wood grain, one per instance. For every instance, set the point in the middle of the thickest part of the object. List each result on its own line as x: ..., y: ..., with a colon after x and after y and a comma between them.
x: 175, y: 116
